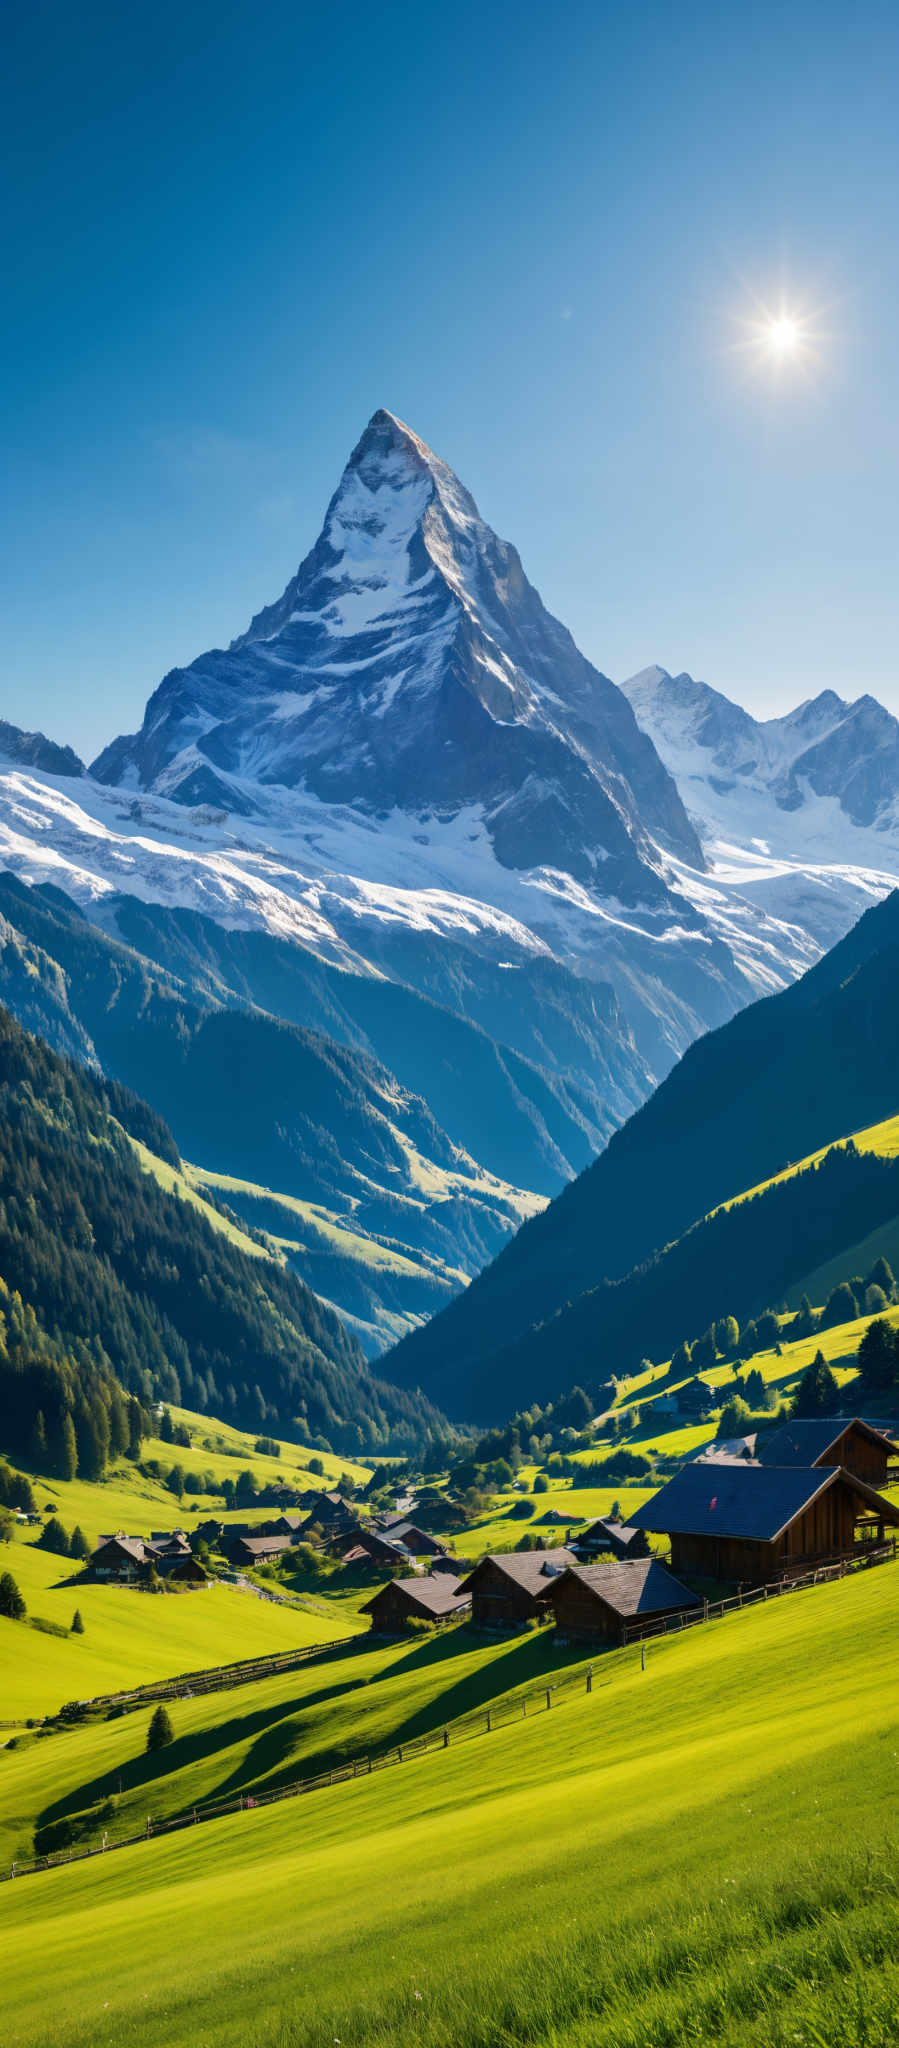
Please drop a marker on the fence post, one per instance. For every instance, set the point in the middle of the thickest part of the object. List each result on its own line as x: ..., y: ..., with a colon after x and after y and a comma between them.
x: 547, y: 1696
x: 446, y: 1738
x: 642, y: 1655
x: 400, y: 1752
x: 589, y: 1678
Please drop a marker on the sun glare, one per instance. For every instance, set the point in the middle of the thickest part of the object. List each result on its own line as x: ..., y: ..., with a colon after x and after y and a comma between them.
x: 784, y: 335
x: 783, y: 340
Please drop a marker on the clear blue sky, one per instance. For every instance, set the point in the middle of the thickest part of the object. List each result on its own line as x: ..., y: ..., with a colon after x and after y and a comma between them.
x: 529, y: 229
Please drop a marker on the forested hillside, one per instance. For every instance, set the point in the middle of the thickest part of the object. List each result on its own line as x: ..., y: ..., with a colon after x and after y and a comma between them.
x: 117, y: 1284
x: 788, y: 1076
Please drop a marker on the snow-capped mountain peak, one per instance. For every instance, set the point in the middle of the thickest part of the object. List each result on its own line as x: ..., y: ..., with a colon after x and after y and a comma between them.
x: 409, y: 665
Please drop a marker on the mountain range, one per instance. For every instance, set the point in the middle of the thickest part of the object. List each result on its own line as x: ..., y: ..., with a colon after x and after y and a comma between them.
x: 397, y: 909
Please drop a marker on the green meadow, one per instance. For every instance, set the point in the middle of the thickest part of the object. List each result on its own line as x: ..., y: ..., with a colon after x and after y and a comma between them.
x: 701, y: 1851
x: 131, y: 1637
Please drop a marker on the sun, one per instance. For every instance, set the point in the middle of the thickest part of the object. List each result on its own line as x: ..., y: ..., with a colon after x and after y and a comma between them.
x: 781, y: 339
x: 784, y: 335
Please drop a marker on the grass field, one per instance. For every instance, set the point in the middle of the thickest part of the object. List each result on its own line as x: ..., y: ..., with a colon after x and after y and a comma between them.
x: 131, y: 1637
x: 357, y: 1701
x: 701, y: 1852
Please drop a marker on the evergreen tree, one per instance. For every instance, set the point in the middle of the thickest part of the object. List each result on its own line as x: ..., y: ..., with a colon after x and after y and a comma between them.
x: 39, y: 1442
x: 881, y: 1275
x: 160, y: 1732
x: 53, y: 1537
x: 818, y: 1392
x: 878, y: 1358
x: 79, y: 1546
x: 68, y: 1461
x: 12, y: 1604
x: 875, y: 1300
x: 841, y: 1307
x: 727, y: 1335
x: 77, y: 1623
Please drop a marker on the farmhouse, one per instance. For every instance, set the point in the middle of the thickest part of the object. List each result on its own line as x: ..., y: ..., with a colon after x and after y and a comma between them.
x: 832, y: 1440
x: 185, y: 1571
x: 358, y: 1543
x: 399, y: 1530
x: 121, y: 1557
x: 753, y: 1522
x: 437, y: 1600
x: 254, y: 1550
x: 695, y: 1398
x: 592, y: 1602
x: 506, y: 1589
x: 620, y: 1539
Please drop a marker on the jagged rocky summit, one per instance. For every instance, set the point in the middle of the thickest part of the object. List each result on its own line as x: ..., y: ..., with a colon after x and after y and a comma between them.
x: 411, y: 666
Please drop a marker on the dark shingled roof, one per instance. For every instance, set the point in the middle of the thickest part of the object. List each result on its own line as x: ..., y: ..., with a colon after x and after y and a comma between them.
x: 441, y: 1595
x: 756, y: 1502
x: 529, y: 1568
x: 808, y: 1438
x: 636, y: 1585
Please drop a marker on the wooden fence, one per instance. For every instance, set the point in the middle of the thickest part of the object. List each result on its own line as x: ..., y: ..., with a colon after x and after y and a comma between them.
x: 791, y: 1581
x: 484, y: 1721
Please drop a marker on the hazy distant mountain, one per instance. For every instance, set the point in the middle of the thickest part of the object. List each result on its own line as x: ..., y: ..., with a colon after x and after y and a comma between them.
x: 835, y: 763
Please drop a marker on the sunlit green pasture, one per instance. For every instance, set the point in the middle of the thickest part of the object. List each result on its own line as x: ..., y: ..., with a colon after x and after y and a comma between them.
x: 131, y: 1637
x: 704, y: 1851
x: 267, y: 1733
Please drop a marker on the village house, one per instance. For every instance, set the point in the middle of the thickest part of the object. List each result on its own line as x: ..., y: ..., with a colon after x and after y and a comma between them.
x: 695, y: 1398
x: 505, y: 1589
x: 130, y: 1560
x: 593, y: 1602
x: 249, y: 1551
x: 619, y: 1539
x: 832, y: 1440
x: 439, y: 1599
x: 412, y: 1537
x: 751, y: 1523
x: 120, y: 1557
x: 359, y: 1543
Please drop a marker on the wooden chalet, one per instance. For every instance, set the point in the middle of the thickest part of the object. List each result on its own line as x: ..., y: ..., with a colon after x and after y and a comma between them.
x: 121, y: 1558
x: 696, y: 1397
x: 255, y: 1550
x: 439, y: 1599
x: 358, y: 1543
x: 832, y: 1440
x: 184, y: 1571
x: 506, y: 1589
x: 618, y: 1539
x: 752, y: 1523
x: 413, y: 1538
x: 593, y: 1602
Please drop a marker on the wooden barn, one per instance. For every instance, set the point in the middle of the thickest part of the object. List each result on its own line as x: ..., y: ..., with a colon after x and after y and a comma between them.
x: 750, y: 1523
x: 506, y: 1589
x: 593, y: 1602
x: 832, y: 1440
x: 423, y: 1599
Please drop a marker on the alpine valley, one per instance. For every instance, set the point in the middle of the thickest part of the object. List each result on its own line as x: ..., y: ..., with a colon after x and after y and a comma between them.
x: 397, y: 909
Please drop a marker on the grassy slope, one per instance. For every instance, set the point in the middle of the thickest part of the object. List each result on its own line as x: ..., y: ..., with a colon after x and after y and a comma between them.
x: 700, y: 1851
x: 130, y: 1636
x: 357, y: 1700
x: 882, y: 1138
